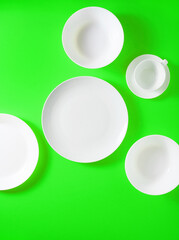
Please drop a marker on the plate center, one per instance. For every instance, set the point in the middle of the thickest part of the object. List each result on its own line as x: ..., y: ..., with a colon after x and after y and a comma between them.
x: 84, y: 119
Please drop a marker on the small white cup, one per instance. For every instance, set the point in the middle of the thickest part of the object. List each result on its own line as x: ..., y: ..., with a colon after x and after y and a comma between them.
x: 150, y: 74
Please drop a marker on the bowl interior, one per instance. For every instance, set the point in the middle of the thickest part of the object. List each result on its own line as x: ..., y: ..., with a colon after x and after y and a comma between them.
x: 152, y: 162
x: 92, y: 40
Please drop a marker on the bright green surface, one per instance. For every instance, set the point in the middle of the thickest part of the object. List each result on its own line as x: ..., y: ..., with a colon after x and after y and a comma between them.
x: 71, y: 201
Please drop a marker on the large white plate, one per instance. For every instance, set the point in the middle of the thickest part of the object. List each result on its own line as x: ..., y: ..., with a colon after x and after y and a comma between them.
x: 18, y: 151
x: 152, y: 164
x: 85, y: 119
x: 93, y: 37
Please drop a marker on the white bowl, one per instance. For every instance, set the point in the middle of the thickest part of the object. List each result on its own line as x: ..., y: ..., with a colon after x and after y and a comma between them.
x: 93, y: 37
x: 148, y: 76
x: 152, y: 164
x: 84, y: 119
x: 18, y: 151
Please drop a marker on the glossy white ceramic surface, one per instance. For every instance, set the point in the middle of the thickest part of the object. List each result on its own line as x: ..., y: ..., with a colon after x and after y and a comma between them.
x: 85, y: 119
x: 148, y: 76
x: 93, y: 37
x: 152, y: 164
x: 18, y: 151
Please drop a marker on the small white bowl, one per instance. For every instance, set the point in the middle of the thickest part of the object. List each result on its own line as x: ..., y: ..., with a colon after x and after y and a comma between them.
x: 93, y: 37
x: 152, y: 165
x: 148, y: 76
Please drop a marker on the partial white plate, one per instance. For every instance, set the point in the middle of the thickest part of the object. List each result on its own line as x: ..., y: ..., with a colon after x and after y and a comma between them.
x: 84, y: 119
x: 18, y: 151
x: 152, y: 164
x: 132, y: 83
x: 93, y: 37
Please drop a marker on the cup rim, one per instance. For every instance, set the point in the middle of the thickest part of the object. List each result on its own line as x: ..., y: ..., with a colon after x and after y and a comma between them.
x: 155, y: 63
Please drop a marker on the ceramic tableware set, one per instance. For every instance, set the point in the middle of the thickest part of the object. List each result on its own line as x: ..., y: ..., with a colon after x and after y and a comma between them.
x: 85, y: 119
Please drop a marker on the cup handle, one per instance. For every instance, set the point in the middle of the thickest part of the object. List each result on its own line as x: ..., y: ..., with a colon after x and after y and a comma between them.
x: 164, y: 62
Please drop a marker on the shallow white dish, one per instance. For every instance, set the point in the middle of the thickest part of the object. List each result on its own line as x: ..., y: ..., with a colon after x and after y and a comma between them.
x: 148, y: 76
x: 84, y: 119
x: 152, y: 164
x: 18, y: 151
x: 93, y: 37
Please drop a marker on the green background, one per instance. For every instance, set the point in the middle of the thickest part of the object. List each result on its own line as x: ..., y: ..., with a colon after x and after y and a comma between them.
x: 72, y: 201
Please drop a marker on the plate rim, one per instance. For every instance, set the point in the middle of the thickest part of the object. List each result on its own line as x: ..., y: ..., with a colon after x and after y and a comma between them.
x: 34, y: 163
